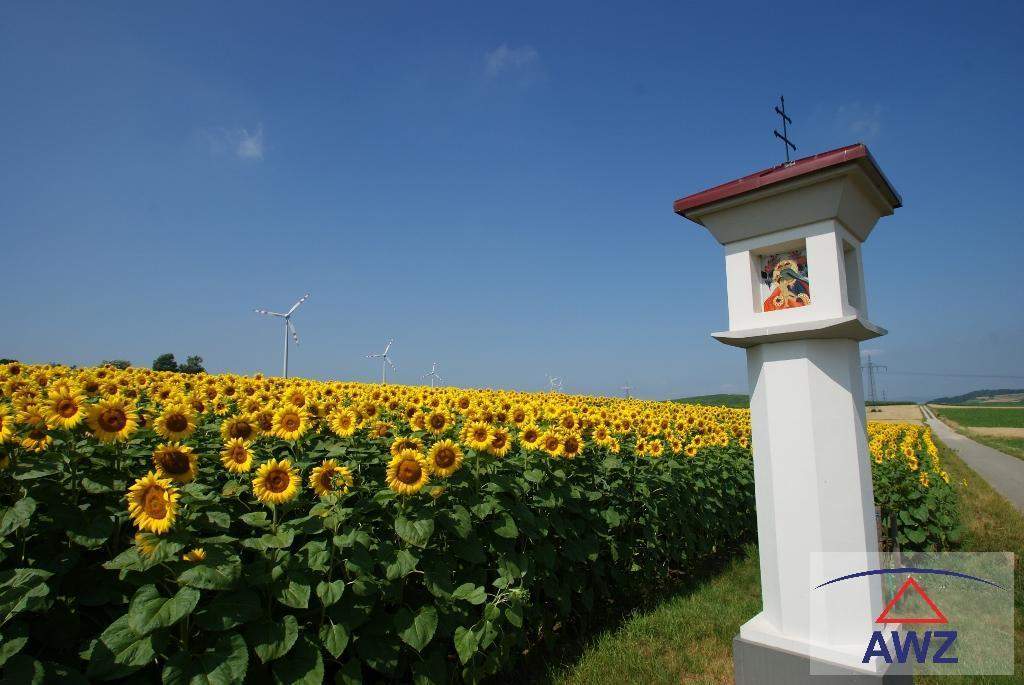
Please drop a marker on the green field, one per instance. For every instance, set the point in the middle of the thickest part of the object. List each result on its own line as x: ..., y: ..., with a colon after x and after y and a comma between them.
x: 978, y: 417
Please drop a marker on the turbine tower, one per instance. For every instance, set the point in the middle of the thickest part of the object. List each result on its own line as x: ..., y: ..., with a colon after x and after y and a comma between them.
x: 385, y: 362
x: 432, y: 374
x: 289, y: 328
x: 627, y: 388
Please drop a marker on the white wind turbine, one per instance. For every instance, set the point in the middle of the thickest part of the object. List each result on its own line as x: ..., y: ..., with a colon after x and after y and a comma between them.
x: 554, y: 383
x: 385, y: 362
x: 627, y: 388
x: 288, y: 326
x: 432, y: 375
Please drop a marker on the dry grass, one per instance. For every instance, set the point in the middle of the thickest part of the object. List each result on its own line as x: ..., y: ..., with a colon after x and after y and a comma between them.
x: 901, y: 413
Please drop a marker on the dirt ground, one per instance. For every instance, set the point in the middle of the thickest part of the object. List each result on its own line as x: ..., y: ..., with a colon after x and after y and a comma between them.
x: 896, y: 413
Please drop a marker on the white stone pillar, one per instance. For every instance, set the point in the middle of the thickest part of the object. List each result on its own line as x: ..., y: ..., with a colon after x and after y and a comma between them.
x: 797, y: 304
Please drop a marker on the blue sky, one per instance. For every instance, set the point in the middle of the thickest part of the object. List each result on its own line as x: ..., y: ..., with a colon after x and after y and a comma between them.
x: 491, y: 185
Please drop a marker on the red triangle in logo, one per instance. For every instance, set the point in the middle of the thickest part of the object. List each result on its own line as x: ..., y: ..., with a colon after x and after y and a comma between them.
x: 884, y: 617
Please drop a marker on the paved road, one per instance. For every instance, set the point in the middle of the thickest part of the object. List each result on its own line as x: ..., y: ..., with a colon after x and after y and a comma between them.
x: 1003, y: 472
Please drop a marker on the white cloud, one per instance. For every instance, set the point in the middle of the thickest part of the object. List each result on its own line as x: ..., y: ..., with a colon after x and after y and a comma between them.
x: 237, y: 141
x: 862, y: 121
x: 250, y: 146
x: 506, y: 59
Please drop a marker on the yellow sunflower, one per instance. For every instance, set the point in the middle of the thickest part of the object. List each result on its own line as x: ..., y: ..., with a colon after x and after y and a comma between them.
x: 239, y: 426
x: 344, y: 422
x: 529, y: 436
x: 176, y: 462
x: 264, y: 418
x: 437, y: 422
x: 113, y: 419
x: 153, y: 504
x: 444, y: 458
x: 500, y: 442
x: 330, y: 477
x: 400, y: 445
x: 478, y: 435
x: 64, y: 406
x: 236, y: 456
x: 572, y: 445
x: 145, y: 543
x: 6, y: 424
x: 176, y: 422
x: 36, y: 439
x: 407, y: 472
x: 194, y: 555
x: 290, y: 422
x: 276, y: 482
x: 550, y: 443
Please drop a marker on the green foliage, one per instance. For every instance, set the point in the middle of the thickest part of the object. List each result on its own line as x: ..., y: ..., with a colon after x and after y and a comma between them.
x: 165, y: 362
x: 364, y: 586
x: 978, y: 417
x: 116, y: 363
x: 452, y: 584
x: 193, y: 364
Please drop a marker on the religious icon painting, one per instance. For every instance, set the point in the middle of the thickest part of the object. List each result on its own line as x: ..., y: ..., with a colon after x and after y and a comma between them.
x: 785, y: 275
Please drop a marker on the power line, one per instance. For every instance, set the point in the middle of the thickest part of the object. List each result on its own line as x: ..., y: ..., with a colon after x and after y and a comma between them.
x: 953, y: 375
x: 871, y: 368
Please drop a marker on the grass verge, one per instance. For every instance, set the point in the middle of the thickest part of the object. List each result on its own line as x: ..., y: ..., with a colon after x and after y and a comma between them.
x: 688, y: 637
x: 685, y: 639
x: 1012, y: 446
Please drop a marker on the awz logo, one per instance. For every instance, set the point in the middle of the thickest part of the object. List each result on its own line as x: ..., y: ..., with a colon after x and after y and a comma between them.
x: 903, y: 645
x: 920, y: 646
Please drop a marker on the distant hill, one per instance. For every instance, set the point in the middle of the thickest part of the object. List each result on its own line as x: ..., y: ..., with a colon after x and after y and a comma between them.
x: 725, y: 400
x: 1003, y: 396
x: 743, y: 401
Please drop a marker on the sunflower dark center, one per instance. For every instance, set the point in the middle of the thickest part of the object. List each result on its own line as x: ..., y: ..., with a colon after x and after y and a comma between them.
x: 112, y: 420
x: 444, y: 457
x: 67, y: 408
x: 290, y: 422
x: 437, y: 421
x: 175, y: 462
x: 239, y: 455
x: 176, y: 423
x: 277, y: 481
x: 409, y: 471
x: 154, y: 504
x: 242, y: 429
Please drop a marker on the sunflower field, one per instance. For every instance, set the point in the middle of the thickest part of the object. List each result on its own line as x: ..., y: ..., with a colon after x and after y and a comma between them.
x: 225, y: 529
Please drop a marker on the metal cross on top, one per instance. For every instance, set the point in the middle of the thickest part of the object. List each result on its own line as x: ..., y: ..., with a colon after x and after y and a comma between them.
x: 785, y: 131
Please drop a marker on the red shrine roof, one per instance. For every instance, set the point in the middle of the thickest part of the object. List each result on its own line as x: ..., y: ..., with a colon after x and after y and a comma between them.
x: 851, y: 154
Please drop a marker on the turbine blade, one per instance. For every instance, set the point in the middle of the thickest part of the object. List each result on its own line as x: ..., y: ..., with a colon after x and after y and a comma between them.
x: 388, y: 347
x: 295, y: 334
x: 296, y: 305
x: 267, y: 312
x: 388, y: 360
